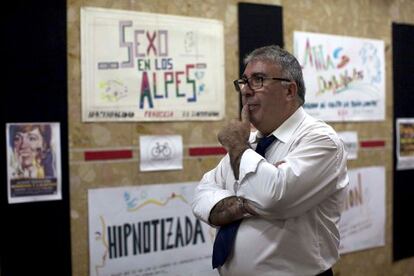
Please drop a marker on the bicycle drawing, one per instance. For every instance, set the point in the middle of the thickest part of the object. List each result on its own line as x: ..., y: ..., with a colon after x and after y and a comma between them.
x: 161, y: 151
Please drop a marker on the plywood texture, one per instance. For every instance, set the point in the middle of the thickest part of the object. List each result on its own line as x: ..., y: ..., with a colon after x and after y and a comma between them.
x: 360, y: 18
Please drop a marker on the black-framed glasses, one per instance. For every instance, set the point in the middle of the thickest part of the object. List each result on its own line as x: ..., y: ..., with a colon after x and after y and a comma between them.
x: 254, y: 82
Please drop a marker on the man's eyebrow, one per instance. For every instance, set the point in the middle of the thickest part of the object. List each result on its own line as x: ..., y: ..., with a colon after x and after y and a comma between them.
x: 258, y: 74
x: 255, y: 74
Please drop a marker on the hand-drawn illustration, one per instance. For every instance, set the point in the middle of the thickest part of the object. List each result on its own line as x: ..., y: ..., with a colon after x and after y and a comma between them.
x: 147, y: 230
x: 344, y: 76
x: 140, y: 66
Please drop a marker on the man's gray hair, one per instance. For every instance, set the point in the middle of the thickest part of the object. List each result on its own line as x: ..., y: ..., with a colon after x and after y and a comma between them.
x: 290, y: 66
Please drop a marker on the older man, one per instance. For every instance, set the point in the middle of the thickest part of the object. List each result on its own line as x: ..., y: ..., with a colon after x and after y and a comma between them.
x: 276, y: 197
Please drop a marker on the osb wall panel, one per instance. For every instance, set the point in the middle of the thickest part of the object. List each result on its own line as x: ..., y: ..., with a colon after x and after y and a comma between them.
x: 362, y: 18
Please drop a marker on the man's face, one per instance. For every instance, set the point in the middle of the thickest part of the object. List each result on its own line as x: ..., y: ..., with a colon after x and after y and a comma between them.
x: 267, y: 105
x: 28, y: 145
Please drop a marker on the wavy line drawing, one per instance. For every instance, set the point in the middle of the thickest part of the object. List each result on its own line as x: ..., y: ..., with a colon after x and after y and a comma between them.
x: 159, y: 203
x: 104, y: 242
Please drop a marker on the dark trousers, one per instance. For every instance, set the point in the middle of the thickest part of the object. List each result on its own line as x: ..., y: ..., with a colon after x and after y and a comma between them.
x: 328, y: 272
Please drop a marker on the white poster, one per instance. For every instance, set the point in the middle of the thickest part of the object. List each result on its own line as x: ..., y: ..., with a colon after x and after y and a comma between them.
x: 350, y: 139
x: 344, y: 76
x: 33, y: 162
x: 147, y: 230
x: 161, y: 152
x: 151, y: 67
x: 405, y: 143
x: 362, y: 224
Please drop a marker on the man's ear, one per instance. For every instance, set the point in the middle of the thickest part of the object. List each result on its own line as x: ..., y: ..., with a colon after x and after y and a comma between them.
x: 292, y: 91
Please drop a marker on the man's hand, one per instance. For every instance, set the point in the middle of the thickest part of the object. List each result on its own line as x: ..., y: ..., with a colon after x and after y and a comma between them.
x: 235, y: 138
x: 236, y: 132
x: 230, y: 209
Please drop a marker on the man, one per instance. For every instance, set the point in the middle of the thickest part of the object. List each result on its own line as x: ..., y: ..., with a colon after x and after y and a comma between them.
x: 284, y: 207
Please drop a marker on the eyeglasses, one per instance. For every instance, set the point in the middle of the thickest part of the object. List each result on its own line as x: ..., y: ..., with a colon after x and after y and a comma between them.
x: 254, y: 82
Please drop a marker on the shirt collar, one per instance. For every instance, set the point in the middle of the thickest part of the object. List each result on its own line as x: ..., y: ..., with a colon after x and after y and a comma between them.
x: 284, y: 131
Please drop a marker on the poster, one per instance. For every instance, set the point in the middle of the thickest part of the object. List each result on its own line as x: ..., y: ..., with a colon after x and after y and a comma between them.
x: 350, y: 139
x: 344, y: 76
x: 161, y: 152
x: 147, y: 230
x: 33, y: 162
x: 362, y: 224
x: 405, y: 143
x: 151, y: 67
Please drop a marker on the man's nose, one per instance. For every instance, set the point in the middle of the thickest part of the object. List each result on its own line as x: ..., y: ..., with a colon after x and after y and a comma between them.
x: 247, y: 91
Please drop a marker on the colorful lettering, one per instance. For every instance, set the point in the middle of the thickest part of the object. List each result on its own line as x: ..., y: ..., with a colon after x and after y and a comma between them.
x: 145, y: 92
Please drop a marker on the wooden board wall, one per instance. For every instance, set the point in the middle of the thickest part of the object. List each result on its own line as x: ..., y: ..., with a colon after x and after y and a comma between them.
x: 359, y: 18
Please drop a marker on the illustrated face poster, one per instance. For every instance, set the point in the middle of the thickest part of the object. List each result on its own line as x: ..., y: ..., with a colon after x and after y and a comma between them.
x: 362, y: 223
x: 33, y: 162
x: 151, y: 67
x: 405, y: 143
x: 147, y: 230
x: 344, y: 76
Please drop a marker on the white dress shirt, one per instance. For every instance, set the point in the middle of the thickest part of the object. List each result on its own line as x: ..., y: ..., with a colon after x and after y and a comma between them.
x: 299, y: 202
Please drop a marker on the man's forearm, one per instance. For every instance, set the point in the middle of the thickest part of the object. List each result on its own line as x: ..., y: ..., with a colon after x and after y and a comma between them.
x: 228, y: 210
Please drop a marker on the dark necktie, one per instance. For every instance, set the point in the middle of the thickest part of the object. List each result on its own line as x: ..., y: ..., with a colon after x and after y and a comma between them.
x: 223, y: 244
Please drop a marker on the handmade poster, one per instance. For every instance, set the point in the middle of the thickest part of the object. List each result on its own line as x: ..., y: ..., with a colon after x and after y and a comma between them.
x: 147, y: 230
x: 33, y: 162
x: 161, y: 152
x: 362, y: 224
x: 140, y: 66
x: 405, y: 143
x: 344, y: 76
x: 350, y: 139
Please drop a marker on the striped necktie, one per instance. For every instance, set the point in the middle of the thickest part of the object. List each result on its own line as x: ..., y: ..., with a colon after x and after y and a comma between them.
x: 224, y: 242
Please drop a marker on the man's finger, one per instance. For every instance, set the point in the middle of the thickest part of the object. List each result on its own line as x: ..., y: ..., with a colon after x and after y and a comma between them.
x: 245, y: 116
